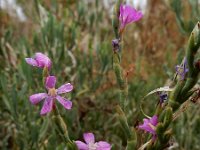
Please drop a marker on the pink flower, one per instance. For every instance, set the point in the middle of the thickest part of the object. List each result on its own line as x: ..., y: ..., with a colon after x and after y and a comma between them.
x: 91, y: 144
x: 52, y: 95
x: 40, y: 60
x: 128, y: 15
x: 149, y: 125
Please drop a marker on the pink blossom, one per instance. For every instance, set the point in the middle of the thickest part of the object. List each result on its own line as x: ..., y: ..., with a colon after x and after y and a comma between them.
x: 40, y: 60
x: 52, y: 95
x: 128, y: 15
x: 149, y: 125
x: 91, y: 144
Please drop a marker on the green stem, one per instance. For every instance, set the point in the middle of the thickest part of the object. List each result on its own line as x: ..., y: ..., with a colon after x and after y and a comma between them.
x: 183, y: 87
x: 182, y: 90
x: 117, y: 56
x: 61, y: 128
x: 122, y: 83
x: 45, y: 74
x: 58, y: 121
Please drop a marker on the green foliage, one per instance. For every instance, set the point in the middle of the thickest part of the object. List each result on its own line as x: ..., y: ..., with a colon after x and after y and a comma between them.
x: 77, y: 37
x: 186, y: 25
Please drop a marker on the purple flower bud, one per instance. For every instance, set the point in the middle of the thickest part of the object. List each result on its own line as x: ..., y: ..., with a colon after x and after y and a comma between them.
x: 115, y: 44
x: 40, y: 60
x: 128, y: 15
x: 163, y: 97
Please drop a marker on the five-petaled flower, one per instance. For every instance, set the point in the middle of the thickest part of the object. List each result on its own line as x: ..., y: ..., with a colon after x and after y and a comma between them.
x: 91, y: 144
x: 149, y: 125
x: 128, y: 15
x: 182, y: 69
x: 40, y: 60
x: 52, y: 95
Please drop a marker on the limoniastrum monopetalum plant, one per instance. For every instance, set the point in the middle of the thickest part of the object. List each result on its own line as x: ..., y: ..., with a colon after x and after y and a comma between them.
x: 42, y: 61
x: 158, y: 127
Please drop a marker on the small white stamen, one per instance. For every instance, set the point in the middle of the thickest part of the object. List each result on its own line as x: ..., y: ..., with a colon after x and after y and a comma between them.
x: 52, y: 92
x: 92, y: 146
x: 152, y: 126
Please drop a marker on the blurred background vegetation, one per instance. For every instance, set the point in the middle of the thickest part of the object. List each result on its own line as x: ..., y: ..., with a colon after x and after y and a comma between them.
x: 77, y: 35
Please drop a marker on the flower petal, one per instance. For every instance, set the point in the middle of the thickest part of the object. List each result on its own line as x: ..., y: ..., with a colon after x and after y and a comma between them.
x: 154, y: 120
x: 65, y: 88
x: 36, y: 98
x: 47, y: 106
x: 147, y: 128
x: 149, y: 124
x: 121, y: 16
x: 135, y: 17
x: 50, y: 82
x: 66, y: 103
x: 128, y: 14
x: 42, y: 60
x: 81, y: 145
x: 102, y: 145
x: 89, y: 137
x: 31, y: 62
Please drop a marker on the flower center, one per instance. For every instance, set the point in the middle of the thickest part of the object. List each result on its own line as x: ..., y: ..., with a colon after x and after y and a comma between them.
x: 152, y: 126
x: 92, y: 146
x: 180, y: 70
x: 52, y: 92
